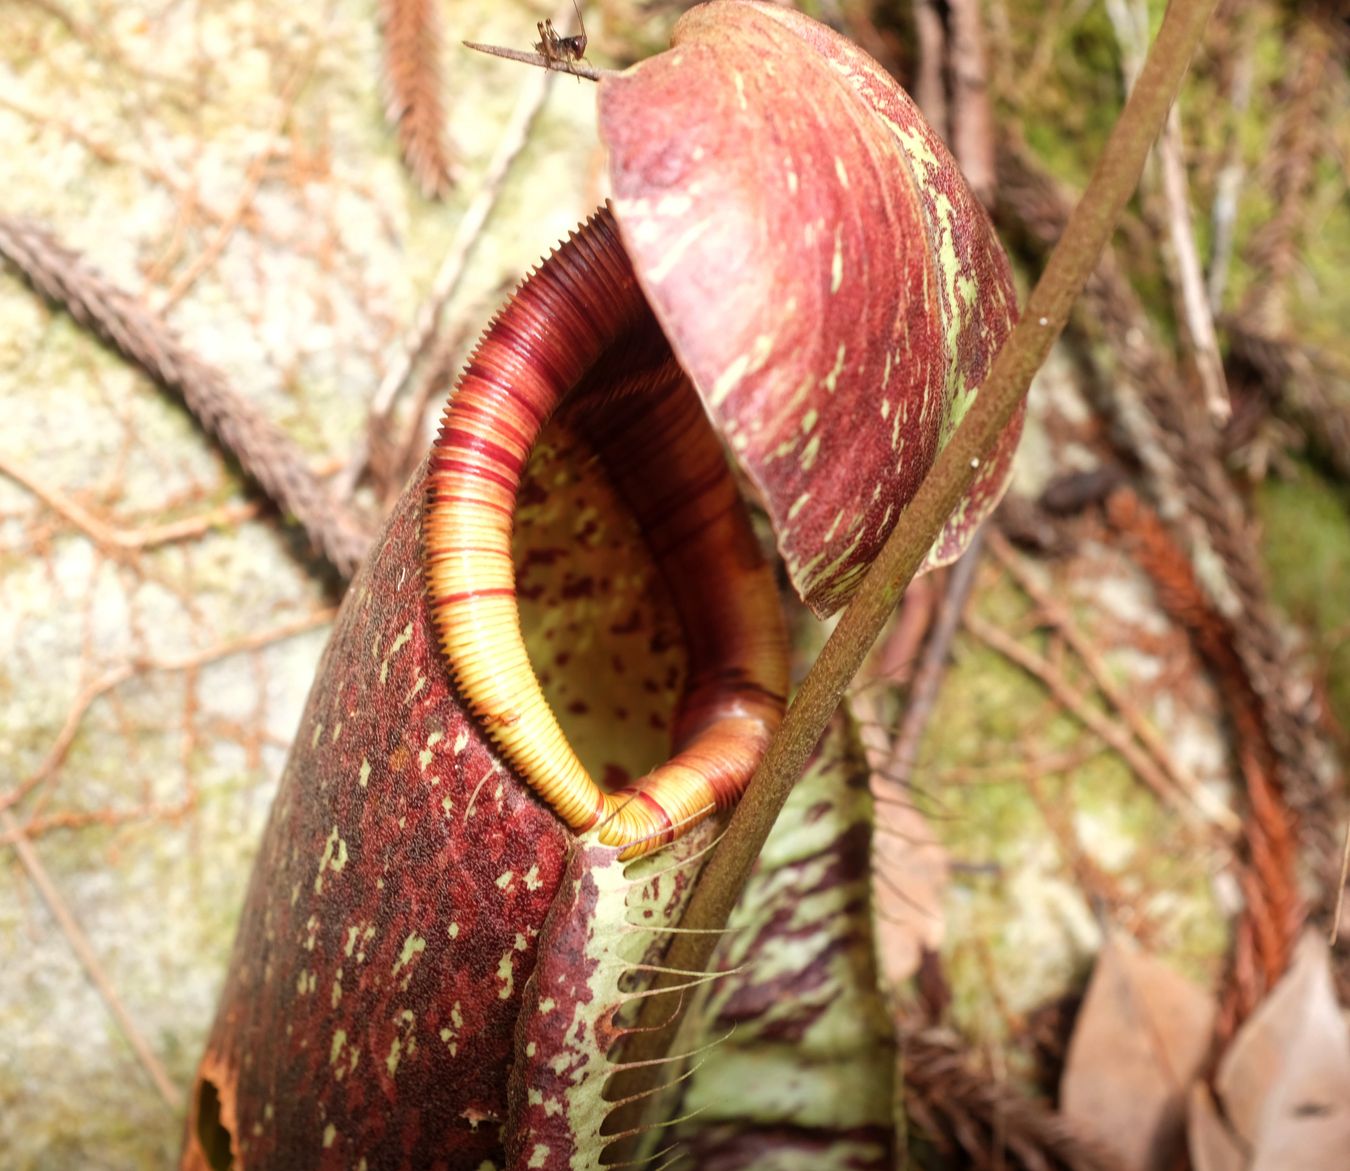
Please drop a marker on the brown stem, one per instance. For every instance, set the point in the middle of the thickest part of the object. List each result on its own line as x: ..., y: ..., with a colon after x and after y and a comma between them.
x: 1112, y: 183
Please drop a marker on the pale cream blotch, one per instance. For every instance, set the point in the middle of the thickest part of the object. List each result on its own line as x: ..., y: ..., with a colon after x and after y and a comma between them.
x: 401, y: 640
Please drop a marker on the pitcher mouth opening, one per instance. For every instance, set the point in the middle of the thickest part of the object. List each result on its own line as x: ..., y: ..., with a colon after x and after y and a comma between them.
x: 577, y: 341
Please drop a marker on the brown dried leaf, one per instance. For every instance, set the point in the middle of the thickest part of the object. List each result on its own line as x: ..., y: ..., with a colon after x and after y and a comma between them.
x: 909, y: 880
x: 1285, y: 1081
x: 1212, y: 1146
x: 1139, y: 1043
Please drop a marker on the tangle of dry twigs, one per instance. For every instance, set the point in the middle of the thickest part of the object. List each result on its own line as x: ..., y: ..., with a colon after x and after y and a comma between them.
x: 264, y: 452
x: 970, y: 1115
x: 1179, y: 445
x: 1302, y: 382
x: 1298, y: 142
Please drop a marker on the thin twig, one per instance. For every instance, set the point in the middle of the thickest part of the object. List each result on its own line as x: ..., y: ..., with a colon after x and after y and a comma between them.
x: 929, y: 89
x: 972, y: 127
x: 17, y: 836
x: 65, y: 737
x: 1146, y: 734
x: 1180, y: 449
x: 1098, y: 887
x: 106, y: 682
x: 253, y: 177
x: 1129, y: 19
x: 1228, y: 181
x: 550, y: 64
x: 164, y: 172
x: 109, y: 537
x: 1340, y: 888
x: 69, y: 819
x: 1077, y: 704
x: 952, y: 89
x: 936, y: 656
x: 84, y: 951
x: 264, y: 452
x: 1189, y: 276
x: 1129, y: 22
x: 435, y: 375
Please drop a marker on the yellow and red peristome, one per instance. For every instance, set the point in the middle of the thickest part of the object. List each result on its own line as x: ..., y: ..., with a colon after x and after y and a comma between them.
x: 579, y: 333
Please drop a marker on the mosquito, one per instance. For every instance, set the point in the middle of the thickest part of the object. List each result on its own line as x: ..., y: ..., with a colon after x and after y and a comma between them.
x: 566, y: 54
x: 564, y: 51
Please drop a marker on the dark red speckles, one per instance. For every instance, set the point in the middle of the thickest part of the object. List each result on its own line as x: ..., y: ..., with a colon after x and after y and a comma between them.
x: 614, y: 778
x: 731, y: 1148
x: 816, y: 812
x: 661, y: 642
x: 538, y: 556
x: 532, y: 494
x: 628, y: 625
x: 577, y: 587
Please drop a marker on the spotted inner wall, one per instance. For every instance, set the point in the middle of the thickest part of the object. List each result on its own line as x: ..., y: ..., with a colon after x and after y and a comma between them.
x: 595, y: 614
